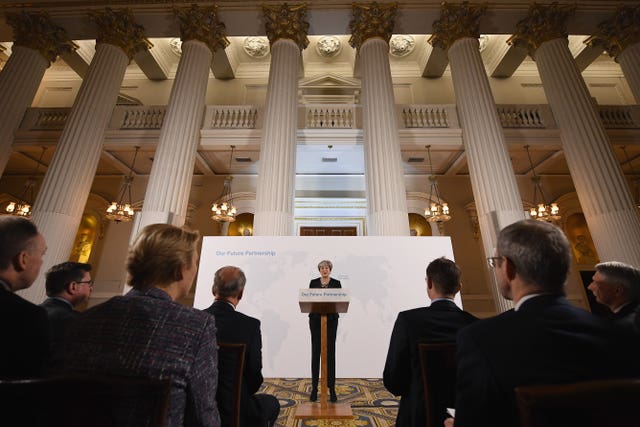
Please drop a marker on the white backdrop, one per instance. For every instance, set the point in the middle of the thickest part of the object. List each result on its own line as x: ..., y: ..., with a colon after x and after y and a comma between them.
x: 383, y: 274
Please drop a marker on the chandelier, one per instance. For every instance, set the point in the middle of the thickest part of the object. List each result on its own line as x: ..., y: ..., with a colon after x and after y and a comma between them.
x: 121, y: 211
x: 23, y: 206
x: 636, y: 178
x: 223, y: 209
x: 438, y: 211
x: 541, y: 210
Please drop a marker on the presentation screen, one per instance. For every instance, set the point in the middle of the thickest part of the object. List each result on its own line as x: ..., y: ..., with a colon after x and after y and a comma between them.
x: 384, y: 275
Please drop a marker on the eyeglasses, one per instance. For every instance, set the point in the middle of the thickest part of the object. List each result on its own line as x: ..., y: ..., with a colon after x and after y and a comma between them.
x: 493, y: 261
x: 85, y: 282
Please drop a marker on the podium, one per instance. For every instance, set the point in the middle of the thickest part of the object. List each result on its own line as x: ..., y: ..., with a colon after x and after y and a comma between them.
x: 323, y: 301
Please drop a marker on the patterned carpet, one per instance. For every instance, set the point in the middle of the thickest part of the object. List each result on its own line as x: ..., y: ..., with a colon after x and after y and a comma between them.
x: 372, y: 404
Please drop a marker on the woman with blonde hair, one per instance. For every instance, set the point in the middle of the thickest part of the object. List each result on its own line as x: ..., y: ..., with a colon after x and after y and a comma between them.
x: 147, y: 334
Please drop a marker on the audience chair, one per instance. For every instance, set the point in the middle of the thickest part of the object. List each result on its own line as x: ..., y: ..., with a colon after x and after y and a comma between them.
x: 231, y: 362
x: 85, y: 401
x: 438, y: 365
x: 600, y: 403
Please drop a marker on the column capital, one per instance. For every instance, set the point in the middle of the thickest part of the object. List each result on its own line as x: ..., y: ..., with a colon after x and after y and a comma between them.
x: 619, y: 32
x: 372, y: 20
x: 36, y: 31
x: 286, y: 22
x: 542, y: 24
x: 202, y: 24
x: 457, y: 20
x: 119, y: 28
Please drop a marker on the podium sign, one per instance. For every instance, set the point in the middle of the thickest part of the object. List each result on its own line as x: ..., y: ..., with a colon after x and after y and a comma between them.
x: 324, y: 300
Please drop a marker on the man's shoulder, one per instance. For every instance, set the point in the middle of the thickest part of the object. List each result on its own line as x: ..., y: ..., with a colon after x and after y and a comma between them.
x: 16, y: 303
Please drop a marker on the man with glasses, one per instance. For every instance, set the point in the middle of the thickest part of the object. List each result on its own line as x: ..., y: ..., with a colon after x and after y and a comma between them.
x: 543, y: 340
x: 68, y: 286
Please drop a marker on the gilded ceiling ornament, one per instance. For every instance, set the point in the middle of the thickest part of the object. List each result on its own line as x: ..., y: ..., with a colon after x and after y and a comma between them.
x: 401, y: 45
x: 616, y: 34
x: 36, y: 31
x: 119, y: 28
x: 202, y: 24
x: 457, y: 20
x: 544, y: 23
x: 372, y: 20
x: 287, y: 22
x: 256, y: 47
x: 328, y: 46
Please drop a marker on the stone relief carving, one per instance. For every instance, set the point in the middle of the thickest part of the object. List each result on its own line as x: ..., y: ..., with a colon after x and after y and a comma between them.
x: 256, y: 47
x: 328, y: 46
x: 175, y: 44
x: 401, y: 45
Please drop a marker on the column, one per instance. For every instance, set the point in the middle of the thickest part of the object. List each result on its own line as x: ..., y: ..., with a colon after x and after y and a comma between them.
x: 60, y: 203
x: 620, y: 38
x: 493, y: 181
x: 167, y: 195
x: 371, y: 28
x: 603, y: 193
x: 286, y: 29
x: 37, y: 43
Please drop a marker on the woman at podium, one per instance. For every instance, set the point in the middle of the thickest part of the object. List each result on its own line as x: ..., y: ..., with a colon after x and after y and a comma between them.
x: 324, y: 281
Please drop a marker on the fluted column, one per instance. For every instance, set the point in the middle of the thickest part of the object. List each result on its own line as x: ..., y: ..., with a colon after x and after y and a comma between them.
x: 371, y: 28
x: 493, y: 181
x: 37, y: 43
x: 603, y: 193
x: 620, y: 38
x: 58, y: 208
x: 287, y: 32
x: 167, y: 195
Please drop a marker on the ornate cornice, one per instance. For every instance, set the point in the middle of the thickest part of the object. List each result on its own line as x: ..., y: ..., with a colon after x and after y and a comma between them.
x: 542, y: 24
x: 616, y: 34
x: 287, y: 22
x: 36, y: 31
x: 202, y: 24
x: 372, y: 20
x: 457, y: 20
x: 119, y: 28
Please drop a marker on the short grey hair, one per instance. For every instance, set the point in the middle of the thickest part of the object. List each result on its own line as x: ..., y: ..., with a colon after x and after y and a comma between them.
x: 622, y: 274
x: 325, y: 262
x: 228, y: 282
x: 539, y: 251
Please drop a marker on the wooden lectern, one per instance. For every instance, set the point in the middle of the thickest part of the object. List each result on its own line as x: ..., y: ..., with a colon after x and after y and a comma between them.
x: 324, y: 301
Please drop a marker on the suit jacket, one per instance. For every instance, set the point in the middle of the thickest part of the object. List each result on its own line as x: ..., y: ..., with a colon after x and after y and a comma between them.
x: 626, y: 316
x: 402, y: 376
x: 236, y: 327
x: 333, y: 283
x: 24, y: 337
x: 60, y: 314
x: 546, y: 341
x: 147, y: 335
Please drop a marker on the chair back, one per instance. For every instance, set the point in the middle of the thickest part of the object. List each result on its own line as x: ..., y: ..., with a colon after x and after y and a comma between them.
x: 438, y: 365
x: 99, y: 402
x: 230, y: 370
x: 599, y: 403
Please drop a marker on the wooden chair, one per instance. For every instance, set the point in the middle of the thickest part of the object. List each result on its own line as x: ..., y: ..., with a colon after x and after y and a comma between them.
x: 600, y: 403
x: 230, y: 370
x: 438, y: 364
x: 83, y: 401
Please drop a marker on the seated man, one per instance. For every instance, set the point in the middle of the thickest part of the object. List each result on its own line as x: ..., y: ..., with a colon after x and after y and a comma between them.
x: 25, y: 329
x: 543, y: 340
x: 235, y: 327
x: 438, y: 322
x: 68, y: 285
x: 617, y: 285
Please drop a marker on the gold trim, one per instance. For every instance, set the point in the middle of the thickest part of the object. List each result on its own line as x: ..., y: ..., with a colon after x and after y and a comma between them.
x: 619, y: 32
x: 202, y: 24
x: 370, y: 21
x: 456, y: 21
x: 287, y: 22
x: 119, y: 28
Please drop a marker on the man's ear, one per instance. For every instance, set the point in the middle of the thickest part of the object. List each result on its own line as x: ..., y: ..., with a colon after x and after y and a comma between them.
x: 240, y: 295
x: 429, y: 283
x: 20, y: 261
x: 510, y: 269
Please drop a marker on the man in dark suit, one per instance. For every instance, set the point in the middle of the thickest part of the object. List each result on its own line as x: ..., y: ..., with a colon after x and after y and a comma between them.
x: 617, y: 285
x: 235, y: 327
x: 25, y: 330
x: 543, y: 340
x: 439, y: 322
x: 68, y: 285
